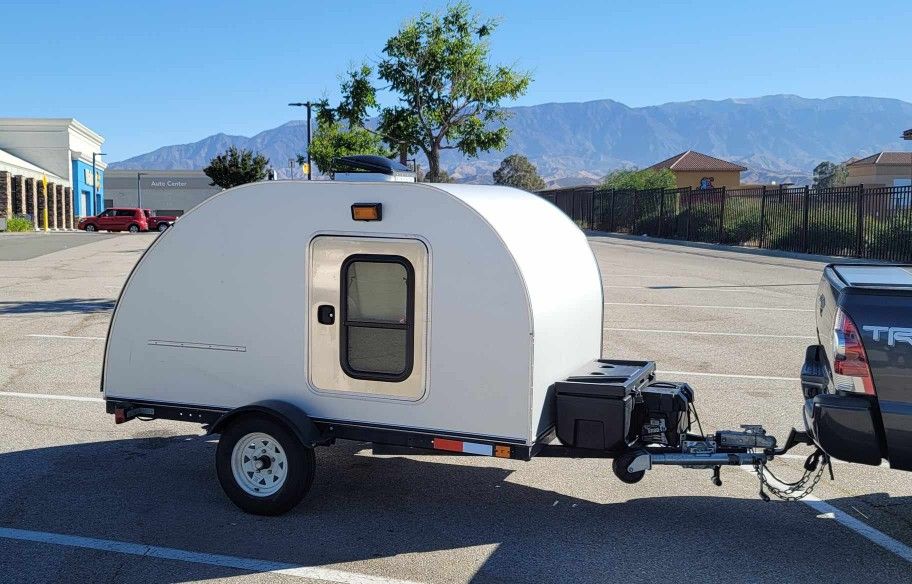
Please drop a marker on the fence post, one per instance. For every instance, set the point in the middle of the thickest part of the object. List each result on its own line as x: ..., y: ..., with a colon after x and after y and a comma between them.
x: 613, y: 197
x: 592, y: 209
x: 762, y: 214
x: 722, y: 218
x: 804, y: 220
x: 661, y: 211
x: 859, y: 224
x: 689, y: 209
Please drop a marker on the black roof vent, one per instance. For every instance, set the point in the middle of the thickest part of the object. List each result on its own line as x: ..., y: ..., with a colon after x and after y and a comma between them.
x: 368, y: 163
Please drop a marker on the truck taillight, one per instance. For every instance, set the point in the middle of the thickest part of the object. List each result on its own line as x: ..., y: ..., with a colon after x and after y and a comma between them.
x: 849, y: 358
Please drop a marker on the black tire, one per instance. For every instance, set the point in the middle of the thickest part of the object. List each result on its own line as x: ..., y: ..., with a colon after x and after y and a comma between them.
x: 134, y: 228
x: 90, y: 227
x: 619, y: 466
x: 301, y: 465
x: 162, y: 227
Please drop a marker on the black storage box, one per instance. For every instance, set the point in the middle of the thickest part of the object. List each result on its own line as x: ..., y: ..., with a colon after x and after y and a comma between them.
x: 595, y: 404
x: 664, y: 413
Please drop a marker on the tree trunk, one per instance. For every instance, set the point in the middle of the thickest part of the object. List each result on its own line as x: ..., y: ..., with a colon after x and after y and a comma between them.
x: 433, y: 156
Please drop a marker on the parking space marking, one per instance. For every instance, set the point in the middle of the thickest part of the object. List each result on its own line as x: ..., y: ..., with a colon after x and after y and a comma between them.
x: 67, y: 337
x: 50, y: 396
x: 165, y: 553
x: 732, y: 375
x: 713, y: 307
x: 828, y: 511
x: 674, y: 289
x: 724, y: 334
x: 860, y: 527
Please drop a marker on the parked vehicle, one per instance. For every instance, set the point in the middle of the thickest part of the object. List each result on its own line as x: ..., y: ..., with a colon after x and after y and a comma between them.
x: 858, y: 379
x: 130, y: 219
x: 410, y: 315
x: 158, y: 222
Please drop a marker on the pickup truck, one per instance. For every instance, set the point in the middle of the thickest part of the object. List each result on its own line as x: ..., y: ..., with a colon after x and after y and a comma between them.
x: 158, y: 222
x: 857, y: 381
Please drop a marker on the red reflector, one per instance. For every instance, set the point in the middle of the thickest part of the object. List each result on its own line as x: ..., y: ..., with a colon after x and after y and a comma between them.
x: 120, y: 416
x: 849, y: 355
x: 444, y: 444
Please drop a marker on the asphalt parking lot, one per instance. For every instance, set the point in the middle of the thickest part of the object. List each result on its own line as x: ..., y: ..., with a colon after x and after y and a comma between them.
x: 83, y: 500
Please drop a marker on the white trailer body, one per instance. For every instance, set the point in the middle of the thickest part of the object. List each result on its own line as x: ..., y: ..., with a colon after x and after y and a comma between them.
x: 453, y: 314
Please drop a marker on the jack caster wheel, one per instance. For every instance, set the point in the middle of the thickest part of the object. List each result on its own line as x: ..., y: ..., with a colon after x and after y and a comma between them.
x: 620, y: 465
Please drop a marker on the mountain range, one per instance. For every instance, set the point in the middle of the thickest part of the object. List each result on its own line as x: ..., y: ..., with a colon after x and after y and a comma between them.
x: 778, y: 138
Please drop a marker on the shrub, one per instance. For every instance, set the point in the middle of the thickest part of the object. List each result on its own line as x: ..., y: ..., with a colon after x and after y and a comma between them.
x: 20, y: 224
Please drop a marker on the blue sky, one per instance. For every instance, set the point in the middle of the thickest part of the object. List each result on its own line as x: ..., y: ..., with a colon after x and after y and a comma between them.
x: 149, y: 74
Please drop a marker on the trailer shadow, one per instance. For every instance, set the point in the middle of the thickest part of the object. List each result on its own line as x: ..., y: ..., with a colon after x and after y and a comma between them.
x: 485, y: 525
x: 71, y: 305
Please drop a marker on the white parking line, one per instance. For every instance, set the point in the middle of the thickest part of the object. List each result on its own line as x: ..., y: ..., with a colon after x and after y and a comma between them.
x: 50, y: 396
x: 859, y: 527
x: 828, y: 511
x: 724, y: 334
x: 713, y: 307
x: 67, y: 337
x: 667, y: 289
x: 732, y: 375
x: 178, y: 555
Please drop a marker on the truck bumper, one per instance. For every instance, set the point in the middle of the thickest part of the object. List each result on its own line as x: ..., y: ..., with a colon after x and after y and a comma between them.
x: 845, y: 426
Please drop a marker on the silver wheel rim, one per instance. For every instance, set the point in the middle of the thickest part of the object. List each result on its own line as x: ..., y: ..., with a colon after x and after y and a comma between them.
x: 134, y: 229
x: 259, y: 464
x: 162, y: 227
x: 90, y: 228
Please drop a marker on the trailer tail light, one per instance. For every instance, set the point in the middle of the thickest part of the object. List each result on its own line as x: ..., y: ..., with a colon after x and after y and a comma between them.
x: 849, y: 358
x: 120, y: 415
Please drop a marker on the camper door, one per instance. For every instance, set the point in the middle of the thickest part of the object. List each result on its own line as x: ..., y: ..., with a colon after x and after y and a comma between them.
x: 368, y: 316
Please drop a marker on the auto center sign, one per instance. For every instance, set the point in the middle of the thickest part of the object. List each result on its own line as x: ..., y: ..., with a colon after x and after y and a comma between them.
x: 169, y: 183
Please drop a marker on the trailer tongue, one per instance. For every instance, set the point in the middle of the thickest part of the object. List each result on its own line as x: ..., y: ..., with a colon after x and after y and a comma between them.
x: 616, y: 408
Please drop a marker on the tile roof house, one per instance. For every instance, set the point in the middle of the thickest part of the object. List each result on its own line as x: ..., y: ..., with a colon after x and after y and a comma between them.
x: 696, y: 170
x: 884, y: 169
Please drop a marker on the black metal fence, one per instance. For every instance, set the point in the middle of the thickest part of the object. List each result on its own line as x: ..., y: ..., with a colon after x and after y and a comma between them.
x: 856, y: 221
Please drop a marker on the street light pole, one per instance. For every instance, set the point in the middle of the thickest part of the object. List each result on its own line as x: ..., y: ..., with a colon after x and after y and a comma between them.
x: 94, y: 180
x: 139, y: 189
x: 308, y: 105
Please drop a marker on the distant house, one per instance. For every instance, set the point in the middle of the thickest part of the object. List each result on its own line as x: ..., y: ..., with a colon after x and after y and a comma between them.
x: 696, y: 170
x: 884, y: 169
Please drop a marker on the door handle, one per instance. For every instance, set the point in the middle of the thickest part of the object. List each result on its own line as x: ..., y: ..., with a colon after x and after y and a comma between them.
x: 326, y: 314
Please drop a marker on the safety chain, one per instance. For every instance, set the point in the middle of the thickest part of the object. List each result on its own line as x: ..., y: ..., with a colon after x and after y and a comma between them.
x: 814, y: 466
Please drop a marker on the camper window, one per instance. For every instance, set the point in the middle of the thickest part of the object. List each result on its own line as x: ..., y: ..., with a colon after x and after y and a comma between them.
x: 378, y: 304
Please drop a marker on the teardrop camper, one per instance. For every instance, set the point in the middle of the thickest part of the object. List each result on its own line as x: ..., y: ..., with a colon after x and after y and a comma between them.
x: 462, y: 318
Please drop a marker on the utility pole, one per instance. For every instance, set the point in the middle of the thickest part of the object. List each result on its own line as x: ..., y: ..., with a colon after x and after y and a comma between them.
x: 139, y: 189
x: 94, y: 182
x: 308, y: 105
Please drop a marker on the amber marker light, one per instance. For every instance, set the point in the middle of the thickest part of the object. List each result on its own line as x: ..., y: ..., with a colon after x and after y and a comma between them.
x: 367, y: 211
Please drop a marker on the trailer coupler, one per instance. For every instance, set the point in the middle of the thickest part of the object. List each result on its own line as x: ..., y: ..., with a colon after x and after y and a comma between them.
x: 751, y: 446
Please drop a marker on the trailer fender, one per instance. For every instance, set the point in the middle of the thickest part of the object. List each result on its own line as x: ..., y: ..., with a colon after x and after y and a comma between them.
x: 292, y: 416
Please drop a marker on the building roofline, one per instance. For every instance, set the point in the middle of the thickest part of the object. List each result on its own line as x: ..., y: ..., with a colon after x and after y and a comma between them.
x: 55, y: 122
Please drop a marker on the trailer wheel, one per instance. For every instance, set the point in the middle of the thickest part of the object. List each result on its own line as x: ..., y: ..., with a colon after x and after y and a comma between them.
x: 620, y: 464
x: 262, y: 466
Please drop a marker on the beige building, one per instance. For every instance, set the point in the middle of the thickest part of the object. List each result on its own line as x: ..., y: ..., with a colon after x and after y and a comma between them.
x: 884, y: 169
x: 696, y: 170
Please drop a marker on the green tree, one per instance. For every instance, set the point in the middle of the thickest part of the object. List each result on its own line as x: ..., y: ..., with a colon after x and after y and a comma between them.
x: 517, y: 171
x: 449, y: 92
x: 828, y: 175
x: 341, y: 130
x: 236, y: 167
x: 631, y: 178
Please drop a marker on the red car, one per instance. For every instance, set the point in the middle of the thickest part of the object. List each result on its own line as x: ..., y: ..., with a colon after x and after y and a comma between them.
x: 117, y: 219
x: 159, y: 222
